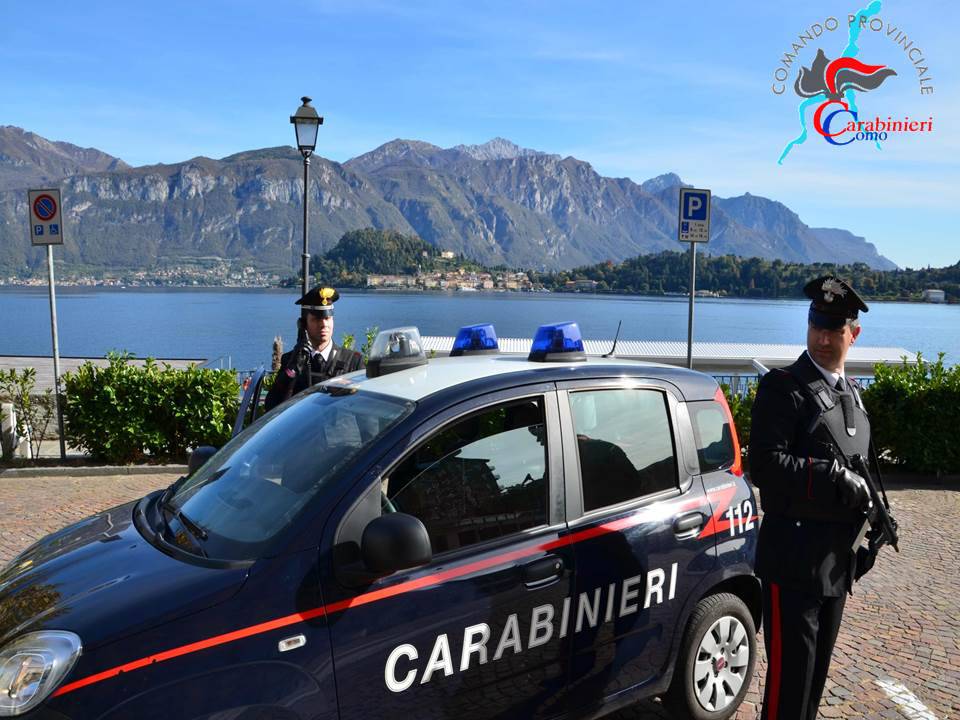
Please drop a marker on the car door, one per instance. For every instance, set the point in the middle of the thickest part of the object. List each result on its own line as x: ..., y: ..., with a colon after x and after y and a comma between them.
x: 643, y: 514
x: 472, y: 634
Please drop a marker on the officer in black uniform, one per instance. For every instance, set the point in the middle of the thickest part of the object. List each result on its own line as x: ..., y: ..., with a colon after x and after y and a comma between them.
x: 316, y: 356
x: 806, y: 418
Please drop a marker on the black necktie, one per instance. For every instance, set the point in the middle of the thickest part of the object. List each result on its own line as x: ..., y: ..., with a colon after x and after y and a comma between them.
x: 840, y: 386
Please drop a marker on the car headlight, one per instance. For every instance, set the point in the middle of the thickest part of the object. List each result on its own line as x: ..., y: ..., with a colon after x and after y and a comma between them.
x: 32, y: 666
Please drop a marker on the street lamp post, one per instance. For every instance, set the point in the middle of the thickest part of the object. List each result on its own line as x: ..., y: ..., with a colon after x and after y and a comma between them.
x: 307, y: 123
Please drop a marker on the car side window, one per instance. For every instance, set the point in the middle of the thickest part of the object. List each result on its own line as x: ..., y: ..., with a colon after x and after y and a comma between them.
x: 713, y: 435
x: 624, y: 444
x: 480, y: 478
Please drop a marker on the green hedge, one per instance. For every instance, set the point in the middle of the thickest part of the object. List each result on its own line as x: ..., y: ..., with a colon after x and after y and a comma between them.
x: 740, y: 407
x: 123, y: 412
x: 914, y: 415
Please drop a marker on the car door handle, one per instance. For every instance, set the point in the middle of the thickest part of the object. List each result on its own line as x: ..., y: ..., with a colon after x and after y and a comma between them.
x: 683, y: 524
x: 542, y: 571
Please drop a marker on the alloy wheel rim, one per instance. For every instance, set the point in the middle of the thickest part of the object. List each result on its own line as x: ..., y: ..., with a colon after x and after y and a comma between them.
x: 720, y: 668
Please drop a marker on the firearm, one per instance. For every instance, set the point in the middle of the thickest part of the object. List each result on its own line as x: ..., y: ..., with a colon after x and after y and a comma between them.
x: 300, y: 358
x: 881, y: 521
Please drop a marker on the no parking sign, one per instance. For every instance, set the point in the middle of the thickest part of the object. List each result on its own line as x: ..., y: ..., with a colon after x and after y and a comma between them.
x: 46, y: 227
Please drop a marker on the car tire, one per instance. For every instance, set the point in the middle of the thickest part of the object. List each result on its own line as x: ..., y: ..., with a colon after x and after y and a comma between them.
x: 716, y: 661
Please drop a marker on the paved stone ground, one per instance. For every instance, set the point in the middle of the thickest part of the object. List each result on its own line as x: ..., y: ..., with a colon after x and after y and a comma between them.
x: 903, y: 622
x: 33, y: 507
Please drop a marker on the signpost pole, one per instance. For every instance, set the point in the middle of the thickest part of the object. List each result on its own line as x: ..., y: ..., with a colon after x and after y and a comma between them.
x: 56, y: 353
x: 693, y: 280
x: 693, y: 226
x: 46, y: 228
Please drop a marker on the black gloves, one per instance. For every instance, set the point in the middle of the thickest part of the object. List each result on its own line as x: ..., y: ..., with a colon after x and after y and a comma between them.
x: 851, y: 488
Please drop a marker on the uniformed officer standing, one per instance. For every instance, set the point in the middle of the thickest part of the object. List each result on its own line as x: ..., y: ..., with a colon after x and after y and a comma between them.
x: 316, y: 356
x: 807, y: 421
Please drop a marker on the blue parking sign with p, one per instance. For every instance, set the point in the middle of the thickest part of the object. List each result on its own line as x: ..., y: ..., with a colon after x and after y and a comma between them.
x: 694, y: 220
x: 695, y: 205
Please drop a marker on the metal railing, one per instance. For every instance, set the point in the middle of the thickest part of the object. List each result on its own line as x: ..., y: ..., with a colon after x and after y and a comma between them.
x: 218, y: 363
x: 741, y: 384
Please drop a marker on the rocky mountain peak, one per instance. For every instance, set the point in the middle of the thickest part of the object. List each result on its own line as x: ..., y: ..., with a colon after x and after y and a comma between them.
x: 656, y: 185
x: 496, y: 149
x: 28, y: 159
x: 393, y: 152
x: 496, y: 202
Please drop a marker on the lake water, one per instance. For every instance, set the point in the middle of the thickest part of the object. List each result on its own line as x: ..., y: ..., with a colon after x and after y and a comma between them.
x: 240, y: 324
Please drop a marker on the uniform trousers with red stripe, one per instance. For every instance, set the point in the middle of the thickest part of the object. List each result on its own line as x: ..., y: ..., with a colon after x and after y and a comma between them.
x: 799, y: 632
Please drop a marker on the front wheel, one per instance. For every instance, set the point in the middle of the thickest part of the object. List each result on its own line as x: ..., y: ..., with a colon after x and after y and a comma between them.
x: 716, y: 661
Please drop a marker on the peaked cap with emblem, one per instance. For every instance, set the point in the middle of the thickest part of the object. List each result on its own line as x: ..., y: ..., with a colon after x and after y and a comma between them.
x: 319, y: 300
x: 833, y: 302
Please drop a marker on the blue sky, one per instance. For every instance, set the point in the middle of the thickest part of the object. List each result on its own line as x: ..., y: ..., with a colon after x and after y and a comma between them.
x: 634, y: 88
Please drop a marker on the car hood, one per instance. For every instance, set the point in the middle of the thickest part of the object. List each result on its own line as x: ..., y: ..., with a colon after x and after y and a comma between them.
x: 102, y: 580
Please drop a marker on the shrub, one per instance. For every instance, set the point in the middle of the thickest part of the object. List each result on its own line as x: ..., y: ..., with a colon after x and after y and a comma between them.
x: 914, y: 413
x: 740, y: 407
x: 349, y: 340
x: 34, y: 413
x: 121, y: 412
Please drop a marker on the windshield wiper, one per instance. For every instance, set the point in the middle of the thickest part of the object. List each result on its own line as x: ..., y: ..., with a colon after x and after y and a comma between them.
x: 195, y: 530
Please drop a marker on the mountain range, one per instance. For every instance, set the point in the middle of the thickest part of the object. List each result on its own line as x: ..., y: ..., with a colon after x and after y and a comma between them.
x: 496, y: 203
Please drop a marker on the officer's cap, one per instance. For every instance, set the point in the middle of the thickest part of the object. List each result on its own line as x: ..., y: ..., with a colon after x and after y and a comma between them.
x: 833, y: 302
x: 319, y: 301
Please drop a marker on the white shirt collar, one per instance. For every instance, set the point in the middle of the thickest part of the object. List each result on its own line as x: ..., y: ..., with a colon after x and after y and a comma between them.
x: 325, y: 353
x: 830, y: 377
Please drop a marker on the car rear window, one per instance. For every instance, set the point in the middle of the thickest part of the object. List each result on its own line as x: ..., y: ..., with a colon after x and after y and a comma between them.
x: 714, y: 438
x: 624, y: 443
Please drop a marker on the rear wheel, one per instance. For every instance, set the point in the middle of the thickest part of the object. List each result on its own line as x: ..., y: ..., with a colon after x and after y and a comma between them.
x: 716, y: 661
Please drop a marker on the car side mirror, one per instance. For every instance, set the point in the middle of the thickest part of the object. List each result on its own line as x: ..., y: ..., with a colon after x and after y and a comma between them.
x: 395, y: 541
x: 390, y: 542
x: 199, y: 457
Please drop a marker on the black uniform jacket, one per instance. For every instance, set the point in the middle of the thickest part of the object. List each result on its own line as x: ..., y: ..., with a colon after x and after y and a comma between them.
x: 340, y: 361
x: 807, y: 535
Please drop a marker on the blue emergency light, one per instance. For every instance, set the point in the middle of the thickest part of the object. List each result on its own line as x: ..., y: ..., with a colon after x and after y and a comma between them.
x: 475, y: 340
x: 557, y: 342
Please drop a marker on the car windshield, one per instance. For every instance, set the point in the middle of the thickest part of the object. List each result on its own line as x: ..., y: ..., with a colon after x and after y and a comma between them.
x: 255, y: 486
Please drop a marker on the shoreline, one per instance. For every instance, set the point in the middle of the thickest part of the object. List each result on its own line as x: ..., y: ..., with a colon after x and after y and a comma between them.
x: 92, y: 289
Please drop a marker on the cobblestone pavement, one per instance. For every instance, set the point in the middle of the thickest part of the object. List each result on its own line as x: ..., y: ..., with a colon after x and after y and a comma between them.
x: 902, y: 623
x: 33, y: 507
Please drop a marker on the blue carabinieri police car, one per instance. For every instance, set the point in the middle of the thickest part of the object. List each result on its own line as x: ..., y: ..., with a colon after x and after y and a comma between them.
x: 479, y: 536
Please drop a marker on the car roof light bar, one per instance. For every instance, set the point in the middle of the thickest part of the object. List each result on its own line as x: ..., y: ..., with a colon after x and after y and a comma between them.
x: 475, y: 340
x: 557, y: 342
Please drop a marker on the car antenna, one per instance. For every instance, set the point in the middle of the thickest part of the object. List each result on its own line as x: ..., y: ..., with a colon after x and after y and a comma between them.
x: 617, y: 337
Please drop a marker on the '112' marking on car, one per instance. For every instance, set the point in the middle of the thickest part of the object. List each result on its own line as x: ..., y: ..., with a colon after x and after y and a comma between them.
x: 744, y: 518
